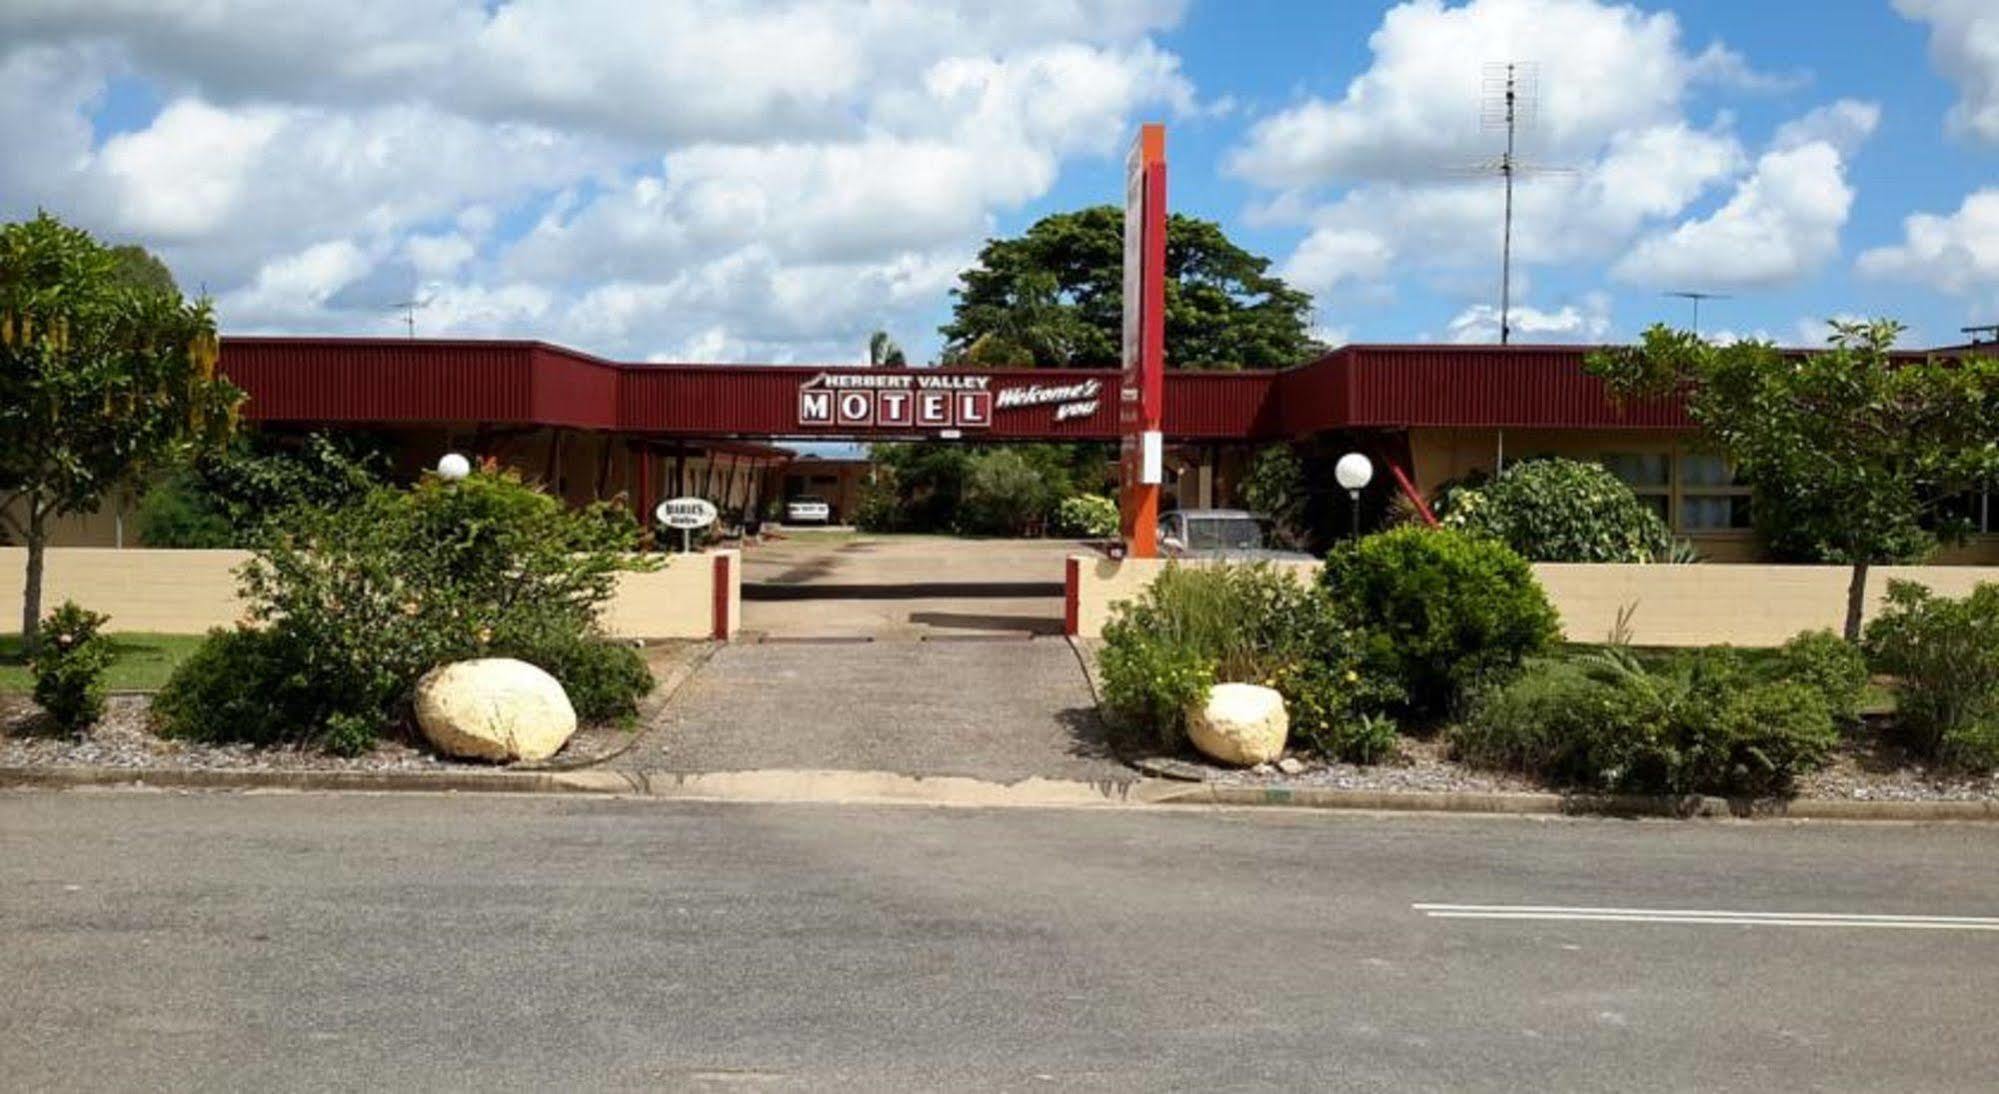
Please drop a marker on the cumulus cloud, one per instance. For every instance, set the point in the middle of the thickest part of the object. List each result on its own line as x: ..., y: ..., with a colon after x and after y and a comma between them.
x: 1587, y: 321
x: 1964, y: 46
x: 1957, y: 253
x: 1781, y: 223
x: 1397, y: 173
x: 762, y: 179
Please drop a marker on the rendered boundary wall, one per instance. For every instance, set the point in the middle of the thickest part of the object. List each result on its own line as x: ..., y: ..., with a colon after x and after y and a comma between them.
x: 189, y: 592
x: 1700, y: 605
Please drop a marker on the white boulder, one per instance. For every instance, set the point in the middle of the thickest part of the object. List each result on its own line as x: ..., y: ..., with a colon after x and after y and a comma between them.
x: 1242, y: 724
x: 494, y: 708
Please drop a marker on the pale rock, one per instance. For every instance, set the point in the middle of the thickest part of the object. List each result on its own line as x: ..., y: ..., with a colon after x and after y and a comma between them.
x: 1291, y: 765
x: 1242, y: 724
x: 495, y: 708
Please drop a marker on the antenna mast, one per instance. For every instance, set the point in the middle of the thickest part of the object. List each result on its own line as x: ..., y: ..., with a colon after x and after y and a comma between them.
x: 1509, y: 103
x: 408, y: 308
x: 1695, y: 297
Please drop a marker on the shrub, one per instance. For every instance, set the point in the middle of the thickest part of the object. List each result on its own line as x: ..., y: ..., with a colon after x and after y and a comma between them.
x: 605, y: 679
x: 1829, y: 665
x: 1087, y: 516
x: 1554, y: 510
x: 69, y: 665
x: 1195, y: 627
x: 1275, y: 487
x: 1704, y: 723
x: 228, y: 498
x: 1440, y: 611
x: 356, y: 603
x: 1944, y: 654
x: 1004, y: 494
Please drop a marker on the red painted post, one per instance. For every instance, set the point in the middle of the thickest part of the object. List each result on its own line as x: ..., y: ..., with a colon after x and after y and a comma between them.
x: 1072, y: 594
x: 1142, y: 396
x: 723, y: 626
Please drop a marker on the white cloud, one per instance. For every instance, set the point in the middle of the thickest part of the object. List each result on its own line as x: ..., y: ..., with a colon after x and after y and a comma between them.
x: 1587, y: 321
x: 765, y: 179
x: 1781, y: 224
x: 1964, y: 46
x: 1957, y: 254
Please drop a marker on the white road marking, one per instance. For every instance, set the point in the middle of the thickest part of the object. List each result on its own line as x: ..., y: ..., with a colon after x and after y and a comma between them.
x: 1708, y: 917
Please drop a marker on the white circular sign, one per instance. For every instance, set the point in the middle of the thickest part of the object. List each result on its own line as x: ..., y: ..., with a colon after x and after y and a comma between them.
x: 688, y: 513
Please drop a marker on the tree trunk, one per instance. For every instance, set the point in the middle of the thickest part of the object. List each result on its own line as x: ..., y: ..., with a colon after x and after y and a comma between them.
x: 31, y: 592
x: 1856, y: 601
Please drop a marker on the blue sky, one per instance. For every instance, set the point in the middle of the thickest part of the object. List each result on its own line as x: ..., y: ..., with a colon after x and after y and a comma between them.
x: 711, y: 180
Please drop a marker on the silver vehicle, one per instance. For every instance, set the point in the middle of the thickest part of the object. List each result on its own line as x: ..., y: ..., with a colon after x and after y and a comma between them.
x: 807, y: 510
x: 1233, y: 534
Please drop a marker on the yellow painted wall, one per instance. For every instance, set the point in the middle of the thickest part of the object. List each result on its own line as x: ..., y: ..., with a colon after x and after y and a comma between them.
x: 189, y: 592
x: 1747, y: 605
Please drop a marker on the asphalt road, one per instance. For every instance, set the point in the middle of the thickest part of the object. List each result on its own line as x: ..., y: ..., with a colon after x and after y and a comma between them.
x: 376, y: 943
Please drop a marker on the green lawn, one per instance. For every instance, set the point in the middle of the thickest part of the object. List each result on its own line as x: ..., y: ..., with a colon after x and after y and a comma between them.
x: 144, y: 661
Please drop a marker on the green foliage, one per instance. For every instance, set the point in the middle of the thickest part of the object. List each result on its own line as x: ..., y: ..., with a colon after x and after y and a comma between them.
x: 1087, y: 516
x: 1053, y: 297
x: 1275, y: 488
x: 605, y: 679
x: 358, y: 602
x: 1706, y: 722
x: 1944, y: 654
x: 1003, y: 494
x: 884, y: 353
x: 69, y: 666
x: 1556, y: 510
x: 229, y: 497
x: 1439, y: 611
x: 99, y: 382
x: 1829, y: 665
x: 138, y: 268
x: 1195, y: 627
x: 1855, y: 455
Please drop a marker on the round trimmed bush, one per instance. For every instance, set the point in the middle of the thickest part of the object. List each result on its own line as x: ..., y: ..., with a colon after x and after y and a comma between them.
x: 1442, y: 611
x: 1556, y: 510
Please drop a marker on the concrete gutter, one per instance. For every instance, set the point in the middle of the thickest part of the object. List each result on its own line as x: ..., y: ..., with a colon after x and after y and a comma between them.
x: 881, y: 788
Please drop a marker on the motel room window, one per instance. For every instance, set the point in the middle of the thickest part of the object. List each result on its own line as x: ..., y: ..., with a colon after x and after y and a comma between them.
x: 1649, y: 475
x: 1713, y: 498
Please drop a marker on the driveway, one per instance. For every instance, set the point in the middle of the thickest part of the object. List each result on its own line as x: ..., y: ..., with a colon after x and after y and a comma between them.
x: 849, y: 585
x: 999, y: 709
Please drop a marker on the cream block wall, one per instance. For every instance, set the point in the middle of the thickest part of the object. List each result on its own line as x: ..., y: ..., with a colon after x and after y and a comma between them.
x: 1741, y: 605
x: 190, y: 592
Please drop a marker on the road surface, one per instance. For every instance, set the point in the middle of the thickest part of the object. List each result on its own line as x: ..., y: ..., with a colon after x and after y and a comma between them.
x: 436, y: 942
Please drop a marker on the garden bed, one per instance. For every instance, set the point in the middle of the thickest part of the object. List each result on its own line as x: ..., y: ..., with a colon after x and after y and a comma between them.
x: 124, y: 737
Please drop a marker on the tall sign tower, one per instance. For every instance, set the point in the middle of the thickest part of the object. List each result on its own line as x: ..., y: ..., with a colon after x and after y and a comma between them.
x: 1143, y: 393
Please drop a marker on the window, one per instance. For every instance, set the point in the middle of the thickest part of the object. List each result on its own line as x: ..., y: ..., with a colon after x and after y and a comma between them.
x: 1713, y: 498
x: 1649, y: 475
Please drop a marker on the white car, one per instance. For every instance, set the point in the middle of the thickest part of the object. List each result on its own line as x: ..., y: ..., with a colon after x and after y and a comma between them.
x: 807, y: 510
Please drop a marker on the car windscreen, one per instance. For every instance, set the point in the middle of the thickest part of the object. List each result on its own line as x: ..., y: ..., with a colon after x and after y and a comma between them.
x: 1223, y: 534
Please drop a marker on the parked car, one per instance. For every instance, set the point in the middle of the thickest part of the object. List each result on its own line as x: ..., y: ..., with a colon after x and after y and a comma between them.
x: 807, y: 510
x: 1233, y: 534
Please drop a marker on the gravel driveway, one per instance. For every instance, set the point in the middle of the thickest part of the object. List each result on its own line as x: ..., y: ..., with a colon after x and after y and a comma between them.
x: 1004, y: 710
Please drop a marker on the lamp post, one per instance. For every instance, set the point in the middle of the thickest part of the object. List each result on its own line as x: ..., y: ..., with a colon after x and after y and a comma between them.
x: 1354, y: 472
x: 453, y: 467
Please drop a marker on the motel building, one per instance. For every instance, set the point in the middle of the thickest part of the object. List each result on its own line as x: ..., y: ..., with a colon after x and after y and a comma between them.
x: 591, y: 429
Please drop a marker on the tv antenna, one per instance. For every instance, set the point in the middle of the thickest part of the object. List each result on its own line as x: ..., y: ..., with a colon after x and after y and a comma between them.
x: 1985, y: 335
x: 1695, y: 298
x: 1510, y: 102
x: 409, y: 309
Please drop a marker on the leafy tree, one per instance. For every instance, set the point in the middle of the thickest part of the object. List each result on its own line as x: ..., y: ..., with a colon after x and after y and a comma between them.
x: 1004, y: 493
x: 1054, y: 297
x: 1275, y: 487
x: 884, y: 353
x: 1554, y: 510
x: 227, y: 496
x: 99, y: 381
x: 137, y: 267
x: 1855, y: 454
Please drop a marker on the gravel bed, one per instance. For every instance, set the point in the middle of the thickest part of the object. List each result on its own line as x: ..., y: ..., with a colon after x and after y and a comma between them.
x: 124, y: 737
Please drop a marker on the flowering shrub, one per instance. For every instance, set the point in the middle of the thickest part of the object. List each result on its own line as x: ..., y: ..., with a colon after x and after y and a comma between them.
x: 69, y: 665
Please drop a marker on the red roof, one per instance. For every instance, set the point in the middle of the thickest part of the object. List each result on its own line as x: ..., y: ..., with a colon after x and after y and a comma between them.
x: 399, y: 380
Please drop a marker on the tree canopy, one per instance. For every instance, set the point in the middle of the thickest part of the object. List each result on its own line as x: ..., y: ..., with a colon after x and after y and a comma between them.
x: 1054, y: 297
x: 100, y: 380
x: 1857, y: 457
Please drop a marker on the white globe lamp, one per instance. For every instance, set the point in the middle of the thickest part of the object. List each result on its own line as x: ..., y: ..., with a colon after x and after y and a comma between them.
x: 453, y: 467
x: 1354, y: 472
